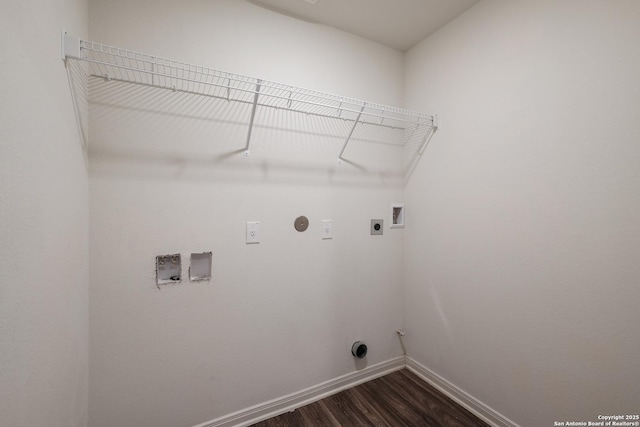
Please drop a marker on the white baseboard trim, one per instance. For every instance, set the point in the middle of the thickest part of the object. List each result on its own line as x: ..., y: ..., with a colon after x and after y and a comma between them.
x: 470, y: 403
x: 293, y: 401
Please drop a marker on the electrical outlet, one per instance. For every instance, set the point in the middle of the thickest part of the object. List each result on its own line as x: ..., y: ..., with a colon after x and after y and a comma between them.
x: 376, y: 227
x: 253, y: 232
x: 327, y: 229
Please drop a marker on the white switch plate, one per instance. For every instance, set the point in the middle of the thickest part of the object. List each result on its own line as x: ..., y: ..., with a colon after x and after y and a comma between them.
x: 253, y: 232
x: 327, y: 229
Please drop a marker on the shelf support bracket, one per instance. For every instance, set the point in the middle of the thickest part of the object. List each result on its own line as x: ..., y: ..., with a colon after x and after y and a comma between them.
x: 353, y: 128
x: 70, y: 46
x: 253, y: 115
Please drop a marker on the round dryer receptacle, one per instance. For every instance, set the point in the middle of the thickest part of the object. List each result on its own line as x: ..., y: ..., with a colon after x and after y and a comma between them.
x: 359, y: 349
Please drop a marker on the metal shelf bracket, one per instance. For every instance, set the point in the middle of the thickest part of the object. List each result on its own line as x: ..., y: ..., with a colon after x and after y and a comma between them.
x: 253, y: 115
x: 353, y: 128
x: 70, y: 46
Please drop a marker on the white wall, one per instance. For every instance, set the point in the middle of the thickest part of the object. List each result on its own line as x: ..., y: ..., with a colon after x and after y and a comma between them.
x: 43, y: 222
x: 521, y: 267
x: 279, y: 316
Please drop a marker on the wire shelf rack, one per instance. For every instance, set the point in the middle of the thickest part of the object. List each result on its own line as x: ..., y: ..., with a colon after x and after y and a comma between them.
x: 114, y: 63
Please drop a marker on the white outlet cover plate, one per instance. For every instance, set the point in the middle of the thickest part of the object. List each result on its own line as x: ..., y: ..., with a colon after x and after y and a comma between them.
x: 327, y: 229
x: 253, y: 232
x: 377, y: 226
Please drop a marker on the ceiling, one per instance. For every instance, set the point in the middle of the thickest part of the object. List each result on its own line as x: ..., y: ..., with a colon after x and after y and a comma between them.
x: 399, y: 24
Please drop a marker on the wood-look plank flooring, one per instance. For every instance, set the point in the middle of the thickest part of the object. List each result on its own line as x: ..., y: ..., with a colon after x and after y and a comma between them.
x: 397, y: 399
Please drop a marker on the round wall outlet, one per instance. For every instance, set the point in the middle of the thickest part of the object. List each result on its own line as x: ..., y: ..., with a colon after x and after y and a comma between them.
x: 376, y: 227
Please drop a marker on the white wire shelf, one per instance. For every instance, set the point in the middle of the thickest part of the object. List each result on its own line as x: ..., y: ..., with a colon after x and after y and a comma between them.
x: 113, y: 63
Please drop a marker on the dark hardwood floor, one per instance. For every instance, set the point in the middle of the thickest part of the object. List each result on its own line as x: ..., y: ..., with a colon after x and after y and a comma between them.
x: 398, y: 399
